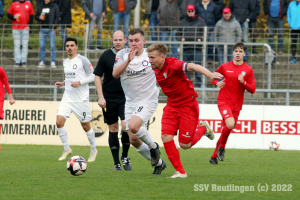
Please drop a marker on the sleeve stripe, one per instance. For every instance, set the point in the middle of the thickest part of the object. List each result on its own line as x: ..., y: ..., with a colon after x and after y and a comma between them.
x: 184, y: 67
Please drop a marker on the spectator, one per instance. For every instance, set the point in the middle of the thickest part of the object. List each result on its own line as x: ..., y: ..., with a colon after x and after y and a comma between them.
x: 1, y: 10
x: 48, y: 15
x: 227, y: 30
x: 275, y: 10
x: 293, y: 17
x: 190, y: 30
x: 209, y: 12
x: 183, y: 5
x: 21, y: 12
x: 39, y: 3
x: 65, y: 20
x: 220, y: 4
x: 122, y: 9
x: 167, y: 14
x: 151, y: 8
x: 95, y: 12
x: 243, y: 12
x: 252, y: 24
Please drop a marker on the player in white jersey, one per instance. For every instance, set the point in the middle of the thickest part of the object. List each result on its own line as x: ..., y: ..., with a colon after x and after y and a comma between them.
x: 139, y: 85
x: 78, y: 74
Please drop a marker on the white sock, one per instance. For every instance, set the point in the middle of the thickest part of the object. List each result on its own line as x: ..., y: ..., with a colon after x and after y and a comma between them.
x: 144, y: 135
x: 144, y: 151
x: 91, y: 137
x: 159, y: 162
x: 62, y: 132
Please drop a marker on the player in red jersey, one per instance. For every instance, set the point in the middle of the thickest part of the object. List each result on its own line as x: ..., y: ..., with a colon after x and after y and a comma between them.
x: 182, y: 109
x: 4, y: 81
x: 238, y: 77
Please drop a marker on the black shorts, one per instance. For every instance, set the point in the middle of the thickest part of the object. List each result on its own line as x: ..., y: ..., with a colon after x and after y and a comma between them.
x: 113, y: 111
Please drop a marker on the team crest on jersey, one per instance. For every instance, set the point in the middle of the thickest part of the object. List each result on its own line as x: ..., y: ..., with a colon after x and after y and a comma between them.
x: 165, y: 74
x: 117, y: 60
x: 91, y: 67
x: 224, y: 112
x: 145, y: 63
x: 74, y: 66
x: 243, y: 73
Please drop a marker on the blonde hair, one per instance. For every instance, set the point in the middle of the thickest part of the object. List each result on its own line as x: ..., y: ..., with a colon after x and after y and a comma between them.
x: 161, y: 48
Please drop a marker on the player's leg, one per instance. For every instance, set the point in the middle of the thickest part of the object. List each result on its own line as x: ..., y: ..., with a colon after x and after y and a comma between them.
x: 1, y: 115
x: 83, y: 113
x: 63, y: 112
x: 124, y: 138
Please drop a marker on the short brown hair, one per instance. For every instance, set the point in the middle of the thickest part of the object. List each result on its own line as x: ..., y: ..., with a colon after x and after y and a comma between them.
x: 240, y: 45
x: 135, y: 31
x: 161, y: 48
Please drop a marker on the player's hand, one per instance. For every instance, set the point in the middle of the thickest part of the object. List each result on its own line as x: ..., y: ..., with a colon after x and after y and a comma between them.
x: 131, y: 54
x: 59, y: 84
x: 182, y: 39
x: 220, y: 84
x: 215, y: 76
x: 102, y: 102
x: 12, y: 101
x: 241, y: 78
x: 75, y: 84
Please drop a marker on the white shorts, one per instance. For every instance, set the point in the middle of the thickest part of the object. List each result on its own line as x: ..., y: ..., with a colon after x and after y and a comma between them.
x: 80, y: 109
x: 144, y: 110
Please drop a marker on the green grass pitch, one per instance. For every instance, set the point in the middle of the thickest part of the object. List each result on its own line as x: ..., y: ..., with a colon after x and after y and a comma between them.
x: 33, y: 172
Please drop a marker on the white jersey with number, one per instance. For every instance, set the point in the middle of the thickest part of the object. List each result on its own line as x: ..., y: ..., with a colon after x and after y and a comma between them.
x: 77, y: 69
x: 138, y: 80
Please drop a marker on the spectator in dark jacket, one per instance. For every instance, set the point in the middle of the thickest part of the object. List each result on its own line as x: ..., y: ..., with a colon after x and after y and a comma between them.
x: 95, y: 12
x: 252, y: 24
x: 122, y: 9
x: 167, y: 14
x: 39, y: 3
x: 275, y: 10
x: 183, y: 5
x: 191, y: 30
x: 220, y: 4
x: 151, y: 8
x: 65, y: 20
x: 209, y: 12
x: 1, y: 10
x: 48, y: 16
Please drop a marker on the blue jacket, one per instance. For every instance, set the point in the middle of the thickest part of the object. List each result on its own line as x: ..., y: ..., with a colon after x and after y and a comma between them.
x: 210, y: 15
x: 1, y: 10
x: 293, y: 15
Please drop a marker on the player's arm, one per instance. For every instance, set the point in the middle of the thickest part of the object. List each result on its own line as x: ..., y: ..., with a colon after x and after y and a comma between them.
x: 191, y: 67
x: 121, y: 64
x: 60, y: 84
x: 248, y: 84
x: 7, y: 87
x: 98, y: 84
x: 219, y: 82
x: 88, y: 68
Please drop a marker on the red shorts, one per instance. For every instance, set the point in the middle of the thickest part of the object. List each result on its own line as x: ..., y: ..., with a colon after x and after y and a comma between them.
x: 184, y: 119
x: 1, y: 109
x: 226, y: 112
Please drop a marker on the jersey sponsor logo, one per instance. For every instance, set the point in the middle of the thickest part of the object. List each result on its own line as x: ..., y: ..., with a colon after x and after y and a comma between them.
x: 145, y: 63
x: 165, y: 74
x: 135, y: 73
x: 241, y: 127
x: 91, y: 67
x: 74, y: 66
x: 186, y: 134
x: 230, y: 71
x: 243, y: 73
x: 70, y: 75
x: 280, y: 127
x: 117, y: 60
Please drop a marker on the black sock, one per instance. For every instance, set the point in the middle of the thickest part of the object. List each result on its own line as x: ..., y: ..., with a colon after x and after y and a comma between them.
x: 114, y: 145
x: 126, y: 143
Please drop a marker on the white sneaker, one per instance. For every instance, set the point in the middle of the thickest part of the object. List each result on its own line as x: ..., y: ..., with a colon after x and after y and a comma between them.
x: 93, y: 156
x: 53, y: 66
x: 179, y: 175
x: 65, y: 154
x: 41, y: 65
x: 209, y: 132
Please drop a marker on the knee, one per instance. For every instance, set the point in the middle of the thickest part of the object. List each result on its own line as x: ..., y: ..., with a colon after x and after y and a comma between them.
x: 185, y: 146
x: 113, y: 128
x: 133, y: 127
x: 59, y: 124
x: 230, y: 125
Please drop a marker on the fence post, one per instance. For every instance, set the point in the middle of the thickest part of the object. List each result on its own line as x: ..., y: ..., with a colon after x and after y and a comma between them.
x: 269, y: 68
x: 86, y: 39
x: 204, y: 64
x: 55, y: 94
x: 287, y: 98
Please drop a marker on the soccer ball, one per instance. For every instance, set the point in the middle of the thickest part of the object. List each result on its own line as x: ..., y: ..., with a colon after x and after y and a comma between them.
x: 274, y: 145
x: 76, y: 165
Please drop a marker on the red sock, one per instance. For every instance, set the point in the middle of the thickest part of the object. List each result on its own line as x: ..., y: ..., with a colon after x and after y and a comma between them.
x: 174, y: 156
x: 198, y: 134
x: 222, y: 140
